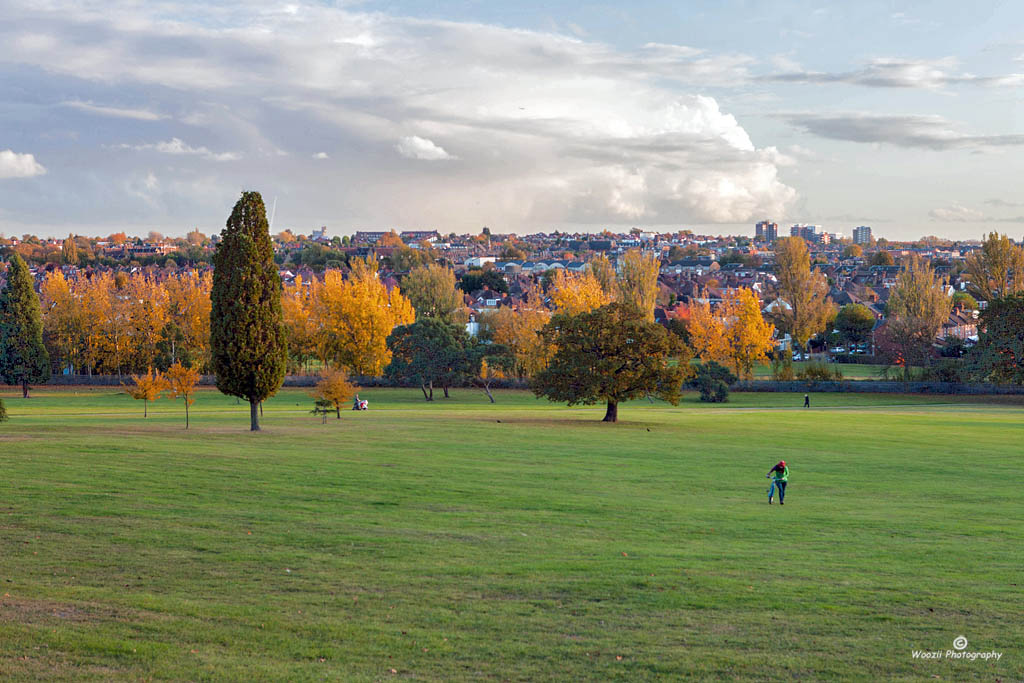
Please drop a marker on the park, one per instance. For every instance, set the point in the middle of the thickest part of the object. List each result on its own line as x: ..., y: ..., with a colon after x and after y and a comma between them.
x: 514, y: 540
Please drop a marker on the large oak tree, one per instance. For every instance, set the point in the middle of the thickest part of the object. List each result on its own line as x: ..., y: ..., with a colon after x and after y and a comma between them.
x: 609, y: 355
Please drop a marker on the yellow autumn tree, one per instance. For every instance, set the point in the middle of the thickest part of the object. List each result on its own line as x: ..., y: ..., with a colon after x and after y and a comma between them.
x: 103, y: 323
x: 355, y: 317
x: 148, y: 388
x: 707, y: 331
x: 299, y: 324
x: 188, y: 309
x: 182, y: 383
x: 638, y: 280
x: 145, y: 306
x: 603, y: 270
x: 575, y: 293
x: 62, y: 321
x: 334, y: 389
x: 748, y: 334
x: 518, y: 329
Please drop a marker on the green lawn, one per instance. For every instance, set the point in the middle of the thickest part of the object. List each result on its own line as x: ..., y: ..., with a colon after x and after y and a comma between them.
x: 516, y: 541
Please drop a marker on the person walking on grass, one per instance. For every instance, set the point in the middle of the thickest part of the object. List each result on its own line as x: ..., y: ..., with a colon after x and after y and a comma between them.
x: 807, y: 400
x: 780, y: 477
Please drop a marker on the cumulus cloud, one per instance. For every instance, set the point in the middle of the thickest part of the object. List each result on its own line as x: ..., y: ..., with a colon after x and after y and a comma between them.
x: 415, y: 147
x: 116, y: 112
x: 14, y: 165
x: 549, y: 129
x: 321, y: 155
x: 929, y: 131
x: 930, y: 74
x: 177, y: 147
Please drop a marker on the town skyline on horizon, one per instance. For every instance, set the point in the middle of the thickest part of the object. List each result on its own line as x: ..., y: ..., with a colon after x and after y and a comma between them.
x: 547, y: 116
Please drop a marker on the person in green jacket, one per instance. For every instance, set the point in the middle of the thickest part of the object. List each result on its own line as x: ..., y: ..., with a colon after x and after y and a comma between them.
x: 781, y: 478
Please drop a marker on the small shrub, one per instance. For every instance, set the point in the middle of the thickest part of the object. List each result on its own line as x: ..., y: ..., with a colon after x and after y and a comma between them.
x: 816, y: 370
x: 3, y: 411
x: 782, y: 367
x: 712, y: 380
x: 946, y: 370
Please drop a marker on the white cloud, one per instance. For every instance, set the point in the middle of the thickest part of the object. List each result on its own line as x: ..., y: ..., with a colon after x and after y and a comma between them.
x: 415, y: 147
x: 549, y: 129
x: 14, y: 165
x: 321, y: 155
x: 116, y: 112
x: 177, y: 147
x: 928, y: 132
x: 956, y: 214
x: 929, y: 74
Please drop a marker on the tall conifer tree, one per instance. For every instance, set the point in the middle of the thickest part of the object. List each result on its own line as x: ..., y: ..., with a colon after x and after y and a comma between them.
x: 23, y: 358
x: 247, y: 336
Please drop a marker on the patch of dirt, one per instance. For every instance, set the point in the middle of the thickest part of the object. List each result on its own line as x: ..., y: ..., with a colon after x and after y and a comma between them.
x: 43, y: 612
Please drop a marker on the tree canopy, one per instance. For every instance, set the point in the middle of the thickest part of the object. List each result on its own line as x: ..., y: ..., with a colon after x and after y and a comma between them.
x: 431, y: 290
x: 997, y: 269
x: 23, y: 358
x: 804, y: 290
x: 611, y: 354
x: 854, y: 323
x: 432, y: 352
x: 917, y: 308
x: 999, y: 354
x: 247, y: 335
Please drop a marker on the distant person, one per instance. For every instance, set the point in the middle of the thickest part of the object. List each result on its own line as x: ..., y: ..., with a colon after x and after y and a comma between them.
x: 779, y: 476
x: 807, y: 400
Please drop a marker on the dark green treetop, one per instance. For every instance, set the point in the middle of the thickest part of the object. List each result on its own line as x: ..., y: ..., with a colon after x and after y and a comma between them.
x: 247, y: 336
x: 23, y: 358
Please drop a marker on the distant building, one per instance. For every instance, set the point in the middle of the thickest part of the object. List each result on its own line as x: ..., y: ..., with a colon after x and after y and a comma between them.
x: 808, y: 232
x: 320, y: 235
x: 368, y: 237
x: 766, y: 231
x: 417, y: 236
x: 862, y: 235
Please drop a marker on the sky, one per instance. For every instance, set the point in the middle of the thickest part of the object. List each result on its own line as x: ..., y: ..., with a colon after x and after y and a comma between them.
x: 523, y: 117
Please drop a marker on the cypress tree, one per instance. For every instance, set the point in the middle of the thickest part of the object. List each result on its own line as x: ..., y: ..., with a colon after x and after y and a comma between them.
x: 247, y: 337
x: 23, y: 358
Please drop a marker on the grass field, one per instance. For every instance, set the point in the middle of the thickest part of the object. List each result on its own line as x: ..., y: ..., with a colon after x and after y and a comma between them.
x: 516, y: 541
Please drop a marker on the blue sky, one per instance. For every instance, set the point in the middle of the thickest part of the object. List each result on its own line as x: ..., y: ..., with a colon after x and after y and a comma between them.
x: 521, y: 116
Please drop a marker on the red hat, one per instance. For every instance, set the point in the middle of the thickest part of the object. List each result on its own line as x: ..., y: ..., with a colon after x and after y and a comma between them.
x: 782, y: 463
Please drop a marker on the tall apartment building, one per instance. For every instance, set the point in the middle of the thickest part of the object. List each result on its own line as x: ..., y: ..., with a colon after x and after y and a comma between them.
x: 862, y: 235
x: 766, y: 231
x: 808, y: 232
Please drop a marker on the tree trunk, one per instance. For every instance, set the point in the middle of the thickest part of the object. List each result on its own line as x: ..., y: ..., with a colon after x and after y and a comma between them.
x: 24, y: 389
x: 445, y: 387
x: 337, y: 411
x: 423, y: 388
x: 261, y: 408
x: 487, y: 390
x: 145, y: 408
x: 186, y: 412
x: 254, y: 416
x: 612, y: 413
